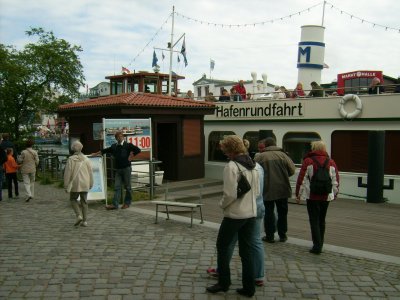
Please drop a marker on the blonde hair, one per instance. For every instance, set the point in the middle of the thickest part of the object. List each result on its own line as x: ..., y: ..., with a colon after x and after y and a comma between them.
x: 318, y: 146
x: 233, y: 144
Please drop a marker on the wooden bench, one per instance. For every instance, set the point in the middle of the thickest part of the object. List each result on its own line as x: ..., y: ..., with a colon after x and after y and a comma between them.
x: 192, y: 206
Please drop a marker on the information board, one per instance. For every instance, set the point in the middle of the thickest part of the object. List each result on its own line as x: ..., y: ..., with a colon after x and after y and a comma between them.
x: 99, y: 190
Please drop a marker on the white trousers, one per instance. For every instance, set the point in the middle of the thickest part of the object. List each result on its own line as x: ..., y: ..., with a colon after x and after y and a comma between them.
x: 29, y: 184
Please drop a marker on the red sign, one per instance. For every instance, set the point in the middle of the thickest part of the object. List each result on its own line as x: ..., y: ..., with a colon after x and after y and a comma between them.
x: 341, y: 78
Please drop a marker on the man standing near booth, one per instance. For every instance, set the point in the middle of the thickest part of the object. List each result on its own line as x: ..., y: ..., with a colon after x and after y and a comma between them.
x: 123, y: 153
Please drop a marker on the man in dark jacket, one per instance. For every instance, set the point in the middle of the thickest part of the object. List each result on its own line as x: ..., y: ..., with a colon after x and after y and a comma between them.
x: 278, y: 167
x: 123, y: 153
x: 317, y: 204
x: 316, y: 90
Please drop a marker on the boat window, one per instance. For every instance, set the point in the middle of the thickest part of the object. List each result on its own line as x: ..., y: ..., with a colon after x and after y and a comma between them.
x: 297, y: 144
x: 354, y: 156
x: 214, y: 151
x: 253, y: 137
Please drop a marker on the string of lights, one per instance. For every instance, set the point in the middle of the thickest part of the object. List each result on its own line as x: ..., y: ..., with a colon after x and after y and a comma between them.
x: 148, y: 43
x: 361, y: 19
x: 287, y: 17
x: 298, y: 13
x: 249, y: 24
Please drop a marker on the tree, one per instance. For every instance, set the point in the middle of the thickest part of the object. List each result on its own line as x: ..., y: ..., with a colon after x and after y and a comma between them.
x: 39, y: 77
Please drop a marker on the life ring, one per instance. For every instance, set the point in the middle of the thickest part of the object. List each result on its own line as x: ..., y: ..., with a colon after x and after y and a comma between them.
x: 354, y: 113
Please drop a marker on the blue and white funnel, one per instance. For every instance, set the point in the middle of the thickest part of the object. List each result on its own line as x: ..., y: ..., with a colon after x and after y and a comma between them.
x: 311, y: 54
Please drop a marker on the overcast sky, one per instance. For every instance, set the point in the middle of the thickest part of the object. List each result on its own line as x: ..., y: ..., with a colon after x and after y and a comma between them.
x: 116, y: 33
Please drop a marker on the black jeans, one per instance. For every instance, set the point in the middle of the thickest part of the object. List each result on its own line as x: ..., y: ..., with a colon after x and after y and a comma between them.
x: 227, y: 233
x: 12, y: 177
x: 270, y: 223
x: 316, y: 215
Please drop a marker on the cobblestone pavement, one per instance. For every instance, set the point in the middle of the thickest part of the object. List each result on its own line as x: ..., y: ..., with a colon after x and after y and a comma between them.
x: 124, y: 255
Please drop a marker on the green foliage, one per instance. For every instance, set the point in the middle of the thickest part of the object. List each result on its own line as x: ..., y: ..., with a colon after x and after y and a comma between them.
x: 39, y: 77
x: 45, y: 180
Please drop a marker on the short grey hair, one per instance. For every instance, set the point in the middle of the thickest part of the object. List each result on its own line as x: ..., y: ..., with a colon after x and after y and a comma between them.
x: 76, y: 146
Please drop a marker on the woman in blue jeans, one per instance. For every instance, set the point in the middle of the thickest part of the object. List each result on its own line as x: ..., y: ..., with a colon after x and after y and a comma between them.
x: 258, y: 246
x: 239, y: 222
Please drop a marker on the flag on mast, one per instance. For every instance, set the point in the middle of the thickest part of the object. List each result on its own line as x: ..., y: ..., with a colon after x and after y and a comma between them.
x: 155, y: 59
x: 125, y: 70
x: 183, y: 52
x: 212, y: 64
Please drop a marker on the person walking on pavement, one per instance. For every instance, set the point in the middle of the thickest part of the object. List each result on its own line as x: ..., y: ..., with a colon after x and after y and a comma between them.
x: 78, y: 180
x: 11, y: 167
x: 278, y: 167
x: 257, y: 244
x: 29, y: 160
x: 317, y: 203
x: 239, y: 217
x: 123, y: 153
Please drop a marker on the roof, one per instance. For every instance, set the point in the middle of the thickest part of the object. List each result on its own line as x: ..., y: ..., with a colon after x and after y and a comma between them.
x: 144, y: 74
x: 137, y: 100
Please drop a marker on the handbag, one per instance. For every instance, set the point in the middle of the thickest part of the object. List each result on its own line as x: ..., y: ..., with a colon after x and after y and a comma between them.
x: 243, y: 185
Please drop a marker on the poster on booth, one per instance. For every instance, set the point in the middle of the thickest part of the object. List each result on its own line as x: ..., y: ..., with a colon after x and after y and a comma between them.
x: 98, y: 191
x: 135, y: 131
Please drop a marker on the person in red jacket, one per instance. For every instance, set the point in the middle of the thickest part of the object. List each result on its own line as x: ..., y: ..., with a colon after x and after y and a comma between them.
x: 317, y: 204
x: 240, y: 89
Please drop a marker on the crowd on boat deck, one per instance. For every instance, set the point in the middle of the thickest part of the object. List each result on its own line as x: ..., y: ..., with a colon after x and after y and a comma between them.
x: 238, y: 92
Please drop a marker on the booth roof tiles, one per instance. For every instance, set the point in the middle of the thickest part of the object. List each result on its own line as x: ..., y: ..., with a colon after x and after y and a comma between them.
x: 137, y: 100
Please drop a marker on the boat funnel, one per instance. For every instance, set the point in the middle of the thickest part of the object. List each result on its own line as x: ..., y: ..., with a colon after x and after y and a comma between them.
x: 311, y: 54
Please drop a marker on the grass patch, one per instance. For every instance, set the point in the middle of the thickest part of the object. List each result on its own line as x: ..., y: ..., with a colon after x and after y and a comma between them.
x: 46, y: 180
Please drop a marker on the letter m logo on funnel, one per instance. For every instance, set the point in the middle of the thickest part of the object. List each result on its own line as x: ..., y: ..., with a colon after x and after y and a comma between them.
x: 306, y: 51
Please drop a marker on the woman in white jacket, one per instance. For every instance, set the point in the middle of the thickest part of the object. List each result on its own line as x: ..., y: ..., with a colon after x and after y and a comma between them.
x: 29, y: 160
x: 78, y: 180
x: 239, y: 217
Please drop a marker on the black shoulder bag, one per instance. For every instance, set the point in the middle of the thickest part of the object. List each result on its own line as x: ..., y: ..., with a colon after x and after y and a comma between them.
x: 243, y: 184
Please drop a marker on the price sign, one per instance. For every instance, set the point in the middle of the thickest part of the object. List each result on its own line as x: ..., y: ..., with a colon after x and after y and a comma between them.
x: 143, y: 141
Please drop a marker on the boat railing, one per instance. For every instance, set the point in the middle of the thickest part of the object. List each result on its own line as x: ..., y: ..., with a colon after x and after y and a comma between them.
x: 327, y: 92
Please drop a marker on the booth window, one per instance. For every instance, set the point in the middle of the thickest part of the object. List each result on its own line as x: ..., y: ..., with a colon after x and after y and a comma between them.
x: 116, y: 87
x: 150, y: 85
x: 297, y: 144
x: 214, y: 150
x: 133, y: 85
x: 191, y: 137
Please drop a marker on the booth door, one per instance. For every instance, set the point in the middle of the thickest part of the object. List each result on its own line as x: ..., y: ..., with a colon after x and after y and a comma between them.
x: 167, y: 149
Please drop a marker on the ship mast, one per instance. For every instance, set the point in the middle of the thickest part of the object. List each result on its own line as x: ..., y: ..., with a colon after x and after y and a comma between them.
x: 170, y: 53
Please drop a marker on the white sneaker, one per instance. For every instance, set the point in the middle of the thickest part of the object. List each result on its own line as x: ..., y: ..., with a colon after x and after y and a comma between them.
x: 84, y: 224
x: 78, y: 220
